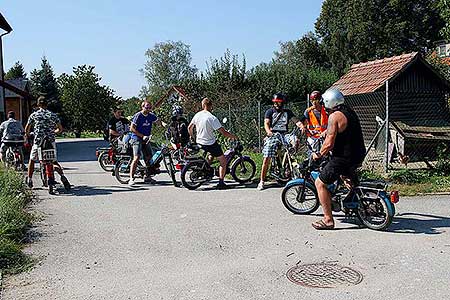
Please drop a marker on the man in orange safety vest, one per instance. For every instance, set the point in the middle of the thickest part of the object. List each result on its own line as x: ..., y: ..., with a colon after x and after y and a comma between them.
x: 315, y: 120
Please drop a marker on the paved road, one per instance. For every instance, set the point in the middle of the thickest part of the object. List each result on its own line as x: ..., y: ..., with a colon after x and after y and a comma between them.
x: 106, y: 241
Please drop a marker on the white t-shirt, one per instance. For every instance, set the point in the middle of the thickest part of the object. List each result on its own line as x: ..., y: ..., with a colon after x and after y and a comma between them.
x: 206, y: 123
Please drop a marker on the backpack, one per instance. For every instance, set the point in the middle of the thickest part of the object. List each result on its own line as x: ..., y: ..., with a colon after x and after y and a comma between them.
x: 178, y: 132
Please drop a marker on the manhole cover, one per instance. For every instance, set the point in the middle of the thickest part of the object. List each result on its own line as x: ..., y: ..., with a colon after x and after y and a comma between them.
x: 324, y: 275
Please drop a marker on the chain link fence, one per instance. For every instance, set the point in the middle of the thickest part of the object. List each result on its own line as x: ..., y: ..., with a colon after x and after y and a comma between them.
x: 418, y: 126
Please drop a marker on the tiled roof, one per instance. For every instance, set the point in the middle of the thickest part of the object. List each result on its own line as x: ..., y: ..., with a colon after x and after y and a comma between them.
x: 367, y: 77
x: 20, y: 83
x: 446, y: 60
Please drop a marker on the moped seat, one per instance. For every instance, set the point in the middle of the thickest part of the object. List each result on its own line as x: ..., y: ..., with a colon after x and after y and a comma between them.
x: 375, y: 184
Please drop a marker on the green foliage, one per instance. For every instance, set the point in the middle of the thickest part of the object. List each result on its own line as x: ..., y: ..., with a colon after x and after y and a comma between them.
x: 407, y: 176
x: 14, y: 220
x: 358, y: 30
x: 438, y: 64
x: 168, y: 63
x: 87, y: 104
x: 16, y: 71
x: 443, y: 163
x: 444, y: 9
x: 43, y: 83
x: 130, y: 106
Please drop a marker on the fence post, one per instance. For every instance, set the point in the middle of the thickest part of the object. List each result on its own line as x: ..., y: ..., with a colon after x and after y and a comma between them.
x: 229, y: 117
x: 259, y: 125
x: 307, y: 101
x: 386, y: 142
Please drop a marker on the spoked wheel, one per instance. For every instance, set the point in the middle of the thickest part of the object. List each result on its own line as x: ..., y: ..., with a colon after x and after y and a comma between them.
x: 300, y: 198
x: 284, y: 173
x: 243, y: 169
x: 168, y: 164
x: 122, y: 170
x: 375, y: 211
x: 105, y: 162
x: 193, y: 175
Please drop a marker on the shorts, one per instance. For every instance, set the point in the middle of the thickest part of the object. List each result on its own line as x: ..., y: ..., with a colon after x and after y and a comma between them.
x: 34, y: 151
x: 337, y: 167
x: 271, y: 145
x: 141, y: 147
x: 214, y: 149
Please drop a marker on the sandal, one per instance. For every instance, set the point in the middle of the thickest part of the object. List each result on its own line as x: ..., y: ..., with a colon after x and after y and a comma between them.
x: 320, y: 225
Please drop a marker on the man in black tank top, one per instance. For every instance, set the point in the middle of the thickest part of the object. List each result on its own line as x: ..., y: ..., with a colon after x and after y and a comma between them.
x: 345, y: 139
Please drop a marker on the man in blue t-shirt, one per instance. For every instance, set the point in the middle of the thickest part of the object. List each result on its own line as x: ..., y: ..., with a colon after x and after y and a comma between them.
x: 141, y: 128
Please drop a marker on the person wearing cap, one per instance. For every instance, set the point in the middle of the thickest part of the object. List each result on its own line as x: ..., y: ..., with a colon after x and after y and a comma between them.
x: 276, y: 119
x: 117, y: 125
x: 315, y: 120
x: 11, y: 132
x: 44, y: 124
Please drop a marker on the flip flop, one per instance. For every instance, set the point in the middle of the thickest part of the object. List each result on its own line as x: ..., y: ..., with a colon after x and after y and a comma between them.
x: 320, y: 225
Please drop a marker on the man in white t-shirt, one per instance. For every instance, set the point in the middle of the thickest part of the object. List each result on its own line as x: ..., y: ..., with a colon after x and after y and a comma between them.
x: 206, y: 123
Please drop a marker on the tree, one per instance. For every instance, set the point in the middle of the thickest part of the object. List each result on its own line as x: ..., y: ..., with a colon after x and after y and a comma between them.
x: 359, y: 30
x: 444, y: 9
x: 16, y: 71
x: 168, y: 63
x: 43, y: 83
x: 86, y: 103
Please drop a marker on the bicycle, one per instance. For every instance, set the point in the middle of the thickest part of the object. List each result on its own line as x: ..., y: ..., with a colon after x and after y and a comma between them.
x: 199, y: 170
x: 160, y: 154
x: 14, y: 154
x: 283, y: 167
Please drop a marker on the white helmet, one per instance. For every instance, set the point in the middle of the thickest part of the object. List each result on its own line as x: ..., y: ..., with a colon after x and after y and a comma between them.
x: 332, y: 98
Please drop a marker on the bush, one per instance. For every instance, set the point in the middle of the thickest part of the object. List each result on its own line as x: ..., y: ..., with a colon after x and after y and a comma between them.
x: 443, y: 162
x: 14, y: 220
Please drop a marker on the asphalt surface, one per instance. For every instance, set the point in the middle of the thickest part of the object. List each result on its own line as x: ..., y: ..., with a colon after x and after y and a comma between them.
x: 107, y: 241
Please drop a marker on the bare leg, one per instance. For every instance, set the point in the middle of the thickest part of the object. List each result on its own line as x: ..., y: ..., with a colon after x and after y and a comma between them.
x: 223, y: 166
x: 265, y: 167
x: 30, y: 168
x: 325, y: 201
x: 133, y: 166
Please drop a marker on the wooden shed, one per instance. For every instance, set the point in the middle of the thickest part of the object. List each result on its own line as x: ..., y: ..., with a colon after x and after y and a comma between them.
x: 17, y: 102
x: 418, y: 100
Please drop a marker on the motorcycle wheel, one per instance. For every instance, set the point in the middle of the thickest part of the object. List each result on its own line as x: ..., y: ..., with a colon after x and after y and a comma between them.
x: 168, y: 164
x: 192, y: 175
x: 243, y: 170
x: 375, y: 212
x: 105, y: 163
x: 298, y: 203
x: 284, y: 175
x: 122, y: 170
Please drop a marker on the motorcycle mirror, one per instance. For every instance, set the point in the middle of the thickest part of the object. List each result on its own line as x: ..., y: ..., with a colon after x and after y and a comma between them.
x: 225, y: 120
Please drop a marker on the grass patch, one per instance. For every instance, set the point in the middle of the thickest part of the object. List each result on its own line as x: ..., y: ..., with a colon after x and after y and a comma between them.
x: 14, y: 220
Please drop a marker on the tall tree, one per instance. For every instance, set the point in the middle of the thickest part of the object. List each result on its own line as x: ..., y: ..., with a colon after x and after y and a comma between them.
x: 43, y: 83
x: 16, y: 71
x: 86, y: 103
x: 361, y: 30
x: 168, y: 63
x: 444, y: 9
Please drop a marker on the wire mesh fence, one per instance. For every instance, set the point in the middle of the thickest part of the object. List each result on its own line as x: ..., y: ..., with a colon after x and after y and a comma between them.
x: 418, y: 126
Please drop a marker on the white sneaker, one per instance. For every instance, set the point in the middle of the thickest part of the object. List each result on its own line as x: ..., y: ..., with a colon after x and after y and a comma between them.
x: 260, y: 186
x: 131, y: 182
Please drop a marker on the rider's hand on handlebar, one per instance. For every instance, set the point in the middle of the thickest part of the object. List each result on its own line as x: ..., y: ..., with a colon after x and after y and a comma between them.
x: 270, y: 134
x: 146, y: 138
x: 316, y: 156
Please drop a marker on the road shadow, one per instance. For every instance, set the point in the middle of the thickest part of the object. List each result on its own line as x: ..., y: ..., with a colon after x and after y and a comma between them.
x: 85, y: 190
x: 419, y: 224
x: 78, y: 150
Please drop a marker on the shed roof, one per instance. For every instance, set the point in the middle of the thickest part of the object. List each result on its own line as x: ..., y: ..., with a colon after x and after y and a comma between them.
x: 369, y: 76
x: 20, y: 83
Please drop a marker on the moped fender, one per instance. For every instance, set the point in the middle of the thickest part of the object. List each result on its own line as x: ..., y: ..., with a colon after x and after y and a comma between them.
x: 295, y: 181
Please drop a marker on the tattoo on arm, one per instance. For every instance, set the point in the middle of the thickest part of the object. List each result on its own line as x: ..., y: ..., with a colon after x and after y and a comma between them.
x: 332, y: 131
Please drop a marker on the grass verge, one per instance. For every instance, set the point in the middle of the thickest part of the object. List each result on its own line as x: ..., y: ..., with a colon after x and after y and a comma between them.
x: 14, y: 221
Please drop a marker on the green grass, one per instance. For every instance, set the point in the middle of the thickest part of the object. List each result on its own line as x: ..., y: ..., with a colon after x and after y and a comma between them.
x: 14, y: 220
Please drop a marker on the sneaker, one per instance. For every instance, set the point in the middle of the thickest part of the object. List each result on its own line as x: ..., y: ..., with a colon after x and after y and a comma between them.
x: 29, y: 182
x: 221, y: 186
x: 149, y: 180
x: 65, y: 182
x: 131, y: 182
x: 260, y: 186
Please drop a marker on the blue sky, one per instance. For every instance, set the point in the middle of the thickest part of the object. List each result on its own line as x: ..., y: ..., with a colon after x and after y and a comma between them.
x: 114, y: 35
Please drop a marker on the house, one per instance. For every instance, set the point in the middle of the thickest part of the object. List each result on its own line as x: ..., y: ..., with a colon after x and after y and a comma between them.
x: 443, y: 51
x: 21, y: 105
x: 415, y: 95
